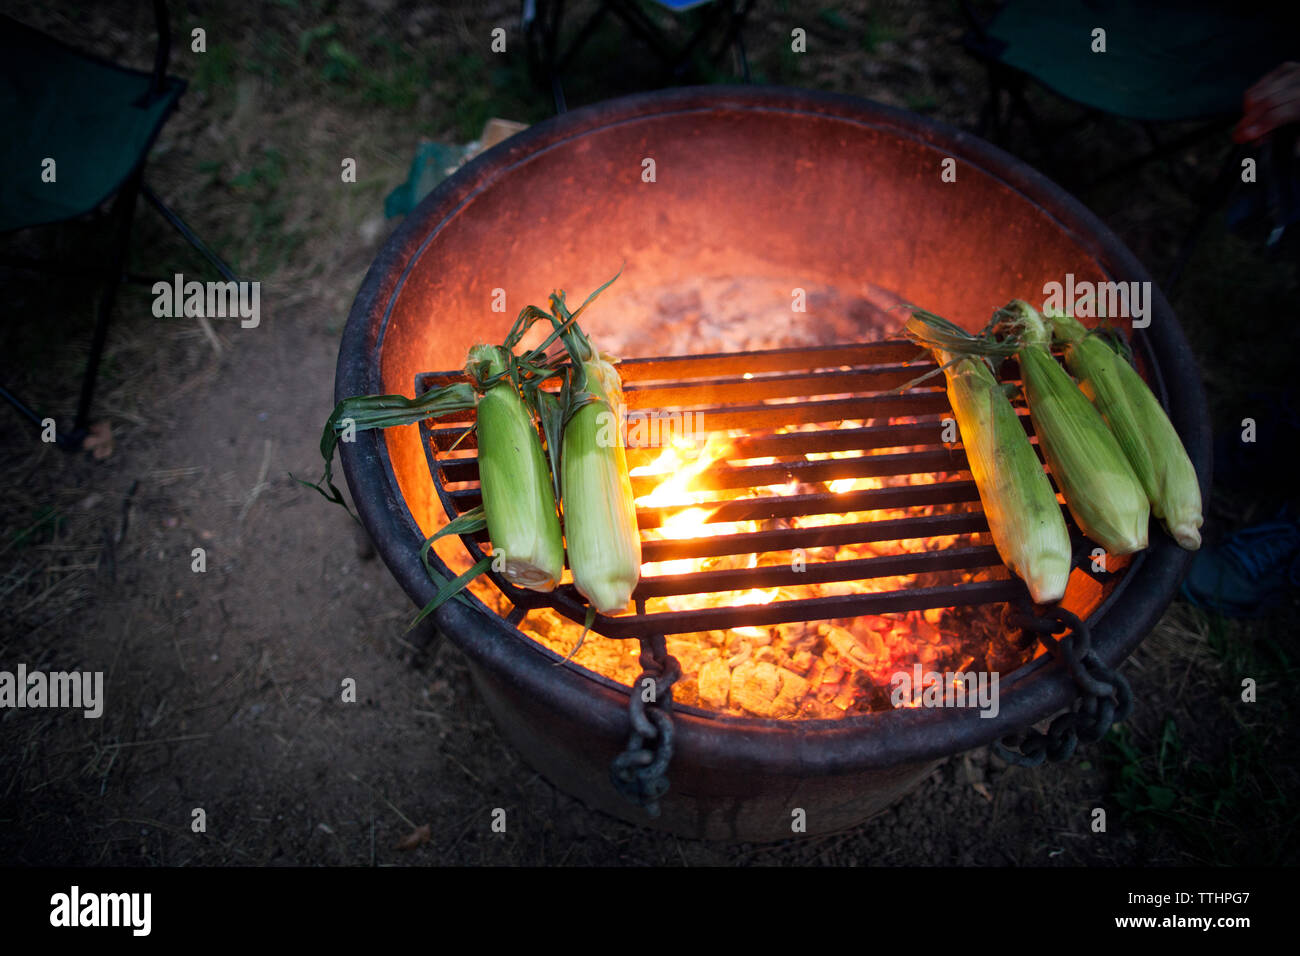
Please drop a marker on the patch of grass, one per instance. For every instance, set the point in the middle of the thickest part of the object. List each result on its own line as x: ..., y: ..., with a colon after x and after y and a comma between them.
x: 1253, y: 653
x: 1226, y: 811
x: 787, y: 66
x: 270, y: 58
x: 261, y: 244
x: 267, y: 172
x: 832, y: 18
x: 1222, y: 792
x: 876, y: 33
x: 398, y: 81
x: 46, y: 524
x: 217, y: 69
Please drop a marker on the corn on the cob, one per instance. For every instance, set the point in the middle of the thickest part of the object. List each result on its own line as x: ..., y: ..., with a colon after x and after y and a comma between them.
x: 1092, y: 471
x: 518, y: 500
x: 1141, y: 427
x: 1024, y: 518
x: 600, y: 525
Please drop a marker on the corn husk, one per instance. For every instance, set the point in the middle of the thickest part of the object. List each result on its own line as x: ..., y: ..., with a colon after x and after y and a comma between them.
x: 518, y: 500
x: 600, y: 525
x: 1101, y: 490
x: 1024, y: 518
x: 1140, y: 425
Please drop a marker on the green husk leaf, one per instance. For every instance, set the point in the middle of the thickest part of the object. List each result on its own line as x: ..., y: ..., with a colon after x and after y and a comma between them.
x: 591, y: 619
x: 451, y: 589
x: 592, y: 298
x: 382, y: 411
x: 935, y: 332
x: 551, y: 414
x: 467, y: 523
x: 473, y: 520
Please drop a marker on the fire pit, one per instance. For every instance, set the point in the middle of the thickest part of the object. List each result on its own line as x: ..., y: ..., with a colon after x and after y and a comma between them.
x: 733, y: 207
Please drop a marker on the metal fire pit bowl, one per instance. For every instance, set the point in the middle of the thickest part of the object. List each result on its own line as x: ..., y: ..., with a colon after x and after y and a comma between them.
x: 747, y: 181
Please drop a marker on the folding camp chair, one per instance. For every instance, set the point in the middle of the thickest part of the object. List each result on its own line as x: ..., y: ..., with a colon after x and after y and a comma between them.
x: 542, y: 20
x: 78, y: 130
x: 1164, y: 62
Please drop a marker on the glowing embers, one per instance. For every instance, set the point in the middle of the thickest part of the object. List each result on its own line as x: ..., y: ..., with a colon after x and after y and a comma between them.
x: 798, y: 669
x: 819, y: 538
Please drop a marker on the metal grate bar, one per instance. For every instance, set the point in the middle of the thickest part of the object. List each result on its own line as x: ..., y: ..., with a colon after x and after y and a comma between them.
x: 780, y: 575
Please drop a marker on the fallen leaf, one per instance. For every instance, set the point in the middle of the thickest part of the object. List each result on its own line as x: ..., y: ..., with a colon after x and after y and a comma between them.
x: 100, y: 440
x: 417, y: 837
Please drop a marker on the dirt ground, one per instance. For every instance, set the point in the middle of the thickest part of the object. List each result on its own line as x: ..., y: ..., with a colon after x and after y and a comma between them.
x: 223, y: 685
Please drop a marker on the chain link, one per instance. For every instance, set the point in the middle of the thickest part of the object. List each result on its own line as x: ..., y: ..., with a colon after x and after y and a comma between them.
x: 640, y: 772
x: 1105, y: 697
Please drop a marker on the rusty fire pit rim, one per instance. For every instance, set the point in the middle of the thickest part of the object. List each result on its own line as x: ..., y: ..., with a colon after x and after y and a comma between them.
x: 1040, y: 690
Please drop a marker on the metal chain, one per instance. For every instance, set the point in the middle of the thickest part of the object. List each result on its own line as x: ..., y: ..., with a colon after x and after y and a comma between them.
x: 1104, y: 697
x: 640, y: 772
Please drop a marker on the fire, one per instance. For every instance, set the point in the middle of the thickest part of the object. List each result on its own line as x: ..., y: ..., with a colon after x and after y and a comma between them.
x: 683, y: 465
x: 804, y: 669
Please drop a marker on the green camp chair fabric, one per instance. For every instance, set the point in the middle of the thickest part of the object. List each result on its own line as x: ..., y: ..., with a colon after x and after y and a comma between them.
x: 94, y: 119
x: 1164, y: 61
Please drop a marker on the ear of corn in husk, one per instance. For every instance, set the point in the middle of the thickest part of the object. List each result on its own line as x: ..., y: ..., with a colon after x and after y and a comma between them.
x: 518, y: 501
x: 1141, y: 427
x: 1024, y: 518
x: 600, y: 524
x: 1103, y: 494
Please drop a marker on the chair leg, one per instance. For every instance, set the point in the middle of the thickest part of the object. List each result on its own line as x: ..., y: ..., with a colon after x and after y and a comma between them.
x: 123, y: 213
x: 22, y: 407
x: 738, y: 33
x: 179, y: 225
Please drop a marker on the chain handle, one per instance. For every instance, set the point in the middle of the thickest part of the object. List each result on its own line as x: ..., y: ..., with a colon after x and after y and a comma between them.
x: 640, y: 772
x: 1105, y: 697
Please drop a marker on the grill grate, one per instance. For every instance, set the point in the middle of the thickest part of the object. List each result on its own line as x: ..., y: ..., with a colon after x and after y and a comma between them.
x: 758, y: 393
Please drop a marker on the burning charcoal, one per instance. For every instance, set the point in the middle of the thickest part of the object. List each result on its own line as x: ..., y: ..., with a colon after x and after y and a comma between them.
x: 767, y: 678
x: 877, y: 699
x: 793, y: 690
x: 686, y: 692
x: 1002, y: 656
x: 924, y: 629
x: 754, y: 687
x: 874, y: 642
x: 715, y: 684
x: 851, y: 651
x: 740, y: 655
x: 741, y: 675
